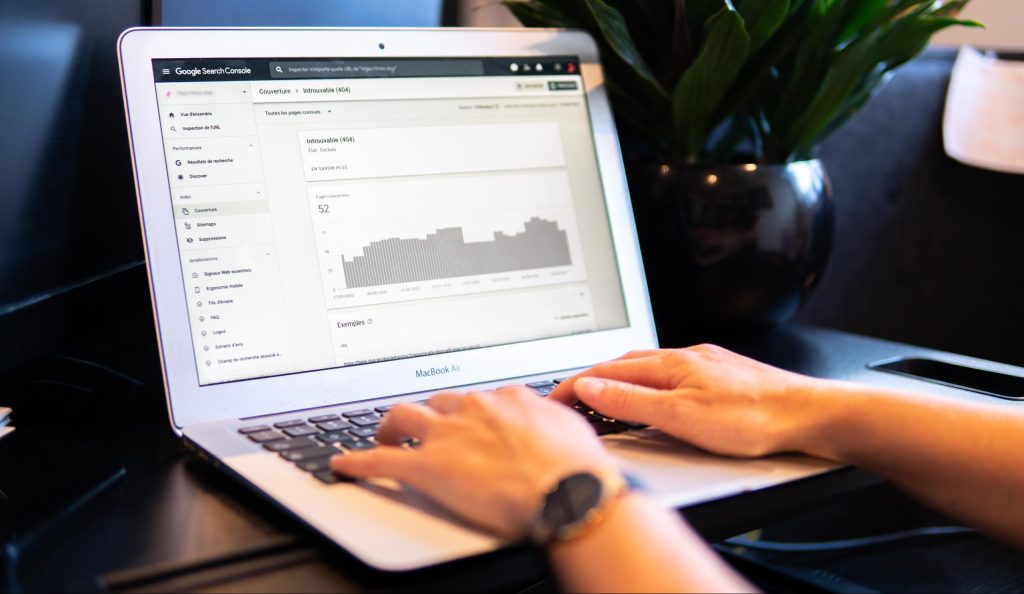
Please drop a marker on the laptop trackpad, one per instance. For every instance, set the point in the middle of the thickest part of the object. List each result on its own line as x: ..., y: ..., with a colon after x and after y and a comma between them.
x: 678, y: 474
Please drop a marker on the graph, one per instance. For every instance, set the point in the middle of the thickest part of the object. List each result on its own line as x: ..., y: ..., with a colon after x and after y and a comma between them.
x: 446, y: 254
x: 411, y: 239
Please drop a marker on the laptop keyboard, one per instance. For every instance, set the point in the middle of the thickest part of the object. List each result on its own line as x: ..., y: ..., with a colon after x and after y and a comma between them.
x: 309, y: 443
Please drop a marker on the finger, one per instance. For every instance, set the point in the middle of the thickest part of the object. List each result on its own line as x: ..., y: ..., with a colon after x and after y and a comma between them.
x: 641, y: 353
x: 514, y: 400
x: 622, y: 400
x: 658, y: 371
x: 563, y: 394
x: 653, y: 371
x: 382, y: 462
x: 407, y: 420
x: 480, y: 405
x: 514, y: 391
x: 446, y: 402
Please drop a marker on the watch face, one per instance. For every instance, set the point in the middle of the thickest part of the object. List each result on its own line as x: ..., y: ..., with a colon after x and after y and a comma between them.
x: 572, y: 500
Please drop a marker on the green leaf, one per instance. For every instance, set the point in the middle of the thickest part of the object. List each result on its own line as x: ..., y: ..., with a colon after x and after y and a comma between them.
x: 867, y: 89
x: 909, y: 36
x: 867, y: 12
x: 658, y: 28
x: 843, y: 77
x: 614, y: 30
x: 953, y: 8
x: 903, y: 9
x: 762, y: 18
x: 857, y: 71
x: 682, y: 49
x: 794, y: 7
x: 770, y: 76
x: 638, y: 114
x: 814, y: 56
x: 758, y: 84
x: 648, y: 106
x: 702, y: 87
x: 698, y: 13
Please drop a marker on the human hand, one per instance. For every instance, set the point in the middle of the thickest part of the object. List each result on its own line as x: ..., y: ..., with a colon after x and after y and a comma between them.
x: 707, y: 396
x: 489, y: 457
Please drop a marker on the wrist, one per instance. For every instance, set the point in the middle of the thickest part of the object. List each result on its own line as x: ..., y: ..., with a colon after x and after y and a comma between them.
x: 821, y: 410
x: 575, y: 503
x: 617, y: 512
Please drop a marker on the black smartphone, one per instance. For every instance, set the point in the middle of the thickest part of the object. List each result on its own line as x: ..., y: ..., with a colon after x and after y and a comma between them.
x: 1000, y: 385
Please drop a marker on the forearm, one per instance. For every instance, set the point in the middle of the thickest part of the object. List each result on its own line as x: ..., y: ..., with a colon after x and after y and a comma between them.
x: 962, y: 458
x: 640, y: 547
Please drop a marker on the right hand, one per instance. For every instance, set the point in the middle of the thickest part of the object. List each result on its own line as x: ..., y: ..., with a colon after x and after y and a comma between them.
x: 706, y: 396
x: 489, y: 457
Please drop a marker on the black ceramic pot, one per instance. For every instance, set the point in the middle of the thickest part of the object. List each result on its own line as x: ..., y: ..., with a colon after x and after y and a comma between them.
x: 730, y: 246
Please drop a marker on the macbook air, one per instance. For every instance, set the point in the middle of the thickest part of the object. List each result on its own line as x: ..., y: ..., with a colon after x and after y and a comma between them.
x: 339, y: 220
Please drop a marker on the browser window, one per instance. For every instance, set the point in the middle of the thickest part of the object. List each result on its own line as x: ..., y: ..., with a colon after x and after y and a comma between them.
x: 341, y: 212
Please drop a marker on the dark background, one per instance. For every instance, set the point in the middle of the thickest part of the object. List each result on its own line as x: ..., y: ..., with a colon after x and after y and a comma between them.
x: 67, y: 200
x: 927, y: 251
x: 66, y: 191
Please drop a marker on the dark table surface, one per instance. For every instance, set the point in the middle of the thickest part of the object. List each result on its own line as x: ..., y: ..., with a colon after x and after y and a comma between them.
x: 171, y: 522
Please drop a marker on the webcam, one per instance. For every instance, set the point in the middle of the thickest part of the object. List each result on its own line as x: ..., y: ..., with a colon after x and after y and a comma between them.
x: 380, y: 45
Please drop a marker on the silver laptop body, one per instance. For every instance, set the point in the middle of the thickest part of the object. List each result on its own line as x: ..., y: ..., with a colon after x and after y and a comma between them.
x: 338, y: 220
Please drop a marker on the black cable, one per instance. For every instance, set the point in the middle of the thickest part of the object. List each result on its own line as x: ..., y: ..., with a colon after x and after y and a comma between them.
x: 60, y: 384
x: 31, y: 300
x: 111, y: 371
x: 846, y: 544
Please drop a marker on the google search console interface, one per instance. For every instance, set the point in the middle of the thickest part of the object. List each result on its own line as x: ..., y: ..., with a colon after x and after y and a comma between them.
x: 339, y: 212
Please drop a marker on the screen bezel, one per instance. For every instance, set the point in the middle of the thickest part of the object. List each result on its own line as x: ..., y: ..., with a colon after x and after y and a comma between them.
x: 188, y: 402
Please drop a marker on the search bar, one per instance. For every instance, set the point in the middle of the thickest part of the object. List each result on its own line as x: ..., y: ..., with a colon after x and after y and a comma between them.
x: 375, y: 68
x: 428, y: 87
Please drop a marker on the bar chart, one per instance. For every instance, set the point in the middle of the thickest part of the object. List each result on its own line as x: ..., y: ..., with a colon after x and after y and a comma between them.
x: 445, y: 254
x: 402, y: 240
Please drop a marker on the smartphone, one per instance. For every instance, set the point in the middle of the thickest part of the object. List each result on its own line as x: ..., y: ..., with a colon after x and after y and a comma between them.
x: 992, y: 383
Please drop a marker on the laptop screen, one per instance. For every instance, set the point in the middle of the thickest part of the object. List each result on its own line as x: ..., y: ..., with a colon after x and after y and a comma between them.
x: 335, y: 212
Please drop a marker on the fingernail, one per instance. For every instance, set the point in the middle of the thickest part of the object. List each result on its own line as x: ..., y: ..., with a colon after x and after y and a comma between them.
x: 591, y: 385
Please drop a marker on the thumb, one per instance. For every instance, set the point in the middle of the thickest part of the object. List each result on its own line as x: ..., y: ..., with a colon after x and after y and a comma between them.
x: 622, y: 400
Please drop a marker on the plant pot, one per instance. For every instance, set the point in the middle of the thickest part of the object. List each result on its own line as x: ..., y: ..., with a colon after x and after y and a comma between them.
x: 730, y: 247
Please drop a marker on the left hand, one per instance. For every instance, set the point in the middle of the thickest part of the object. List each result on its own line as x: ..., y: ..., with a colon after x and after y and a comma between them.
x: 712, y: 398
x: 489, y: 457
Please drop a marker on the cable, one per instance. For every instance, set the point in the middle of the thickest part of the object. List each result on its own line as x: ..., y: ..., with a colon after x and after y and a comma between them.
x: 851, y: 543
x: 60, y: 384
x: 109, y: 370
x: 55, y: 292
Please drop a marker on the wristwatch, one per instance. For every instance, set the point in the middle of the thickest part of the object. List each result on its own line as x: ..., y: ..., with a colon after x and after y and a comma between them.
x: 575, y: 503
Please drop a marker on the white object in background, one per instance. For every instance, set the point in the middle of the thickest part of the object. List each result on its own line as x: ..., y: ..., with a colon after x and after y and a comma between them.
x: 1003, y: 20
x: 984, y: 120
x: 5, y: 419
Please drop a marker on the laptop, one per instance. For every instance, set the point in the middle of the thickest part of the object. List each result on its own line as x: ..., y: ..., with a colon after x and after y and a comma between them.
x: 339, y: 220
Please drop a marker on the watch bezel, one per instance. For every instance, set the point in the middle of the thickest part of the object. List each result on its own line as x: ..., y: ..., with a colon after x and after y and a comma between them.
x: 574, y: 503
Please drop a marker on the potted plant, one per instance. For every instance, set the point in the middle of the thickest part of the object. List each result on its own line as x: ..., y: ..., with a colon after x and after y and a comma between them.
x: 720, y: 106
